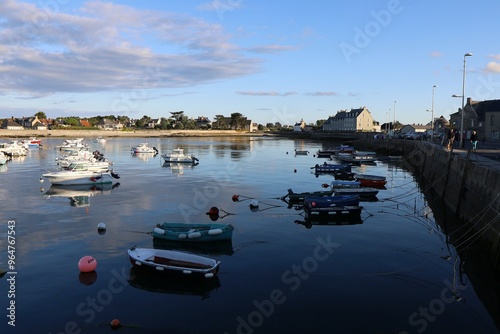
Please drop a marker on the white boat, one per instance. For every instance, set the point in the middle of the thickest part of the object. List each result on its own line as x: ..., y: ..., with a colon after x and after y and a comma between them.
x: 14, y: 149
x: 92, y: 165
x: 168, y: 261
x: 72, y: 145
x: 75, y: 177
x: 100, y: 140
x: 144, y: 148
x: 32, y: 142
x: 177, y: 155
x: 3, y: 158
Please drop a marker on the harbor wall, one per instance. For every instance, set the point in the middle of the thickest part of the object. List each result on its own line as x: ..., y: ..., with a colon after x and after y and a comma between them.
x: 468, y: 187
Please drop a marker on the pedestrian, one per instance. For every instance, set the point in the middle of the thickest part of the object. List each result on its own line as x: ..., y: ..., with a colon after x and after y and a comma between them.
x: 473, y: 140
x: 451, y: 138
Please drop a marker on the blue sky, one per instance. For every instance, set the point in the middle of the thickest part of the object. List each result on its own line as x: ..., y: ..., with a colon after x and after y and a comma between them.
x: 272, y: 61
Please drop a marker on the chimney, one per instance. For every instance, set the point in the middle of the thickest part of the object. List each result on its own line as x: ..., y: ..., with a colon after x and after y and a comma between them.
x: 468, y: 100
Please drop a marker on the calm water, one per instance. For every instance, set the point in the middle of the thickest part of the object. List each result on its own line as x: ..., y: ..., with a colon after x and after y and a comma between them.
x: 391, y: 272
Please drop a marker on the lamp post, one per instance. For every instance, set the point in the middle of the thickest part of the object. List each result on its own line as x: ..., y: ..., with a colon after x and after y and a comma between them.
x: 388, y: 125
x: 462, y: 143
x: 432, y: 117
x: 394, y: 123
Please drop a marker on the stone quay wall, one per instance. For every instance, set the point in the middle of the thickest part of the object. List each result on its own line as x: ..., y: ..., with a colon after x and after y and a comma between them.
x: 466, y: 185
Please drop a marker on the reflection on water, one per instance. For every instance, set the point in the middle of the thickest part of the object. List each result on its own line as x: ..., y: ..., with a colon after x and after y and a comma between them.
x: 79, y: 195
x: 178, y: 168
x: 165, y: 283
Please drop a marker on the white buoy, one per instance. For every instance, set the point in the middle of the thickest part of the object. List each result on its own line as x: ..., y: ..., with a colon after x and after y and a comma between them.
x: 254, y: 204
x: 101, y: 226
x: 41, y: 179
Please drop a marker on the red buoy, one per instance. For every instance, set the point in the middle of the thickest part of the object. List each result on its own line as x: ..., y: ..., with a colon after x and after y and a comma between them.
x: 213, y: 211
x: 236, y: 198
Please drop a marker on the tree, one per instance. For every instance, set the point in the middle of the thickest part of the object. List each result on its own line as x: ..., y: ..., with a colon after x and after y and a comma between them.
x: 219, y: 122
x: 41, y: 115
x: 237, y: 121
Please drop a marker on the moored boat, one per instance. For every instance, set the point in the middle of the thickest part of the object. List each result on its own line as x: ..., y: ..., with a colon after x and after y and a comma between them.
x: 72, y: 177
x: 184, y: 232
x: 177, y: 155
x: 368, y: 180
x: 362, y: 192
x: 299, y: 197
x: 331, y: 168
x: 144, y: 148
x: 173, y: 262
x: 328, y: 202
x: 345, y: 184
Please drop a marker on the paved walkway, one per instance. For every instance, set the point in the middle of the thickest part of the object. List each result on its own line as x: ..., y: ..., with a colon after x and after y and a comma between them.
x: 487, y: 153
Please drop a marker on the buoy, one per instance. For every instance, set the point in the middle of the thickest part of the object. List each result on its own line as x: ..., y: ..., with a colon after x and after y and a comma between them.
x: 213, y: 211
x: 295, y: 171
x: 87, y: 264
x: 115, y: 323
x: 213, y: 217
x: 236, y: 198
x: 325, y: 185
x: 254, y: 204
x: 313, y: 203
x: 41, y: 179
x: 101, y: 226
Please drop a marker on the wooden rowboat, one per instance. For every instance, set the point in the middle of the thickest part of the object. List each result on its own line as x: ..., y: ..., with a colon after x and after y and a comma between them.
x: 173, y: 262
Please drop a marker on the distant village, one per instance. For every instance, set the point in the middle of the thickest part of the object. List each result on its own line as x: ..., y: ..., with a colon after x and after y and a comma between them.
x: 478, y: 115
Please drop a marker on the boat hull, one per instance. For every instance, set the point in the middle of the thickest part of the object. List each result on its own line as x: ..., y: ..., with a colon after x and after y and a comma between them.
x: 173, y: 262
x: 299, y: 197
x: 193, y: 233
x: 77, y: 178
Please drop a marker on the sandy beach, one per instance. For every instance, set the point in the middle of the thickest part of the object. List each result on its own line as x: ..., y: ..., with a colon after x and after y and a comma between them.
x: 119, y: 133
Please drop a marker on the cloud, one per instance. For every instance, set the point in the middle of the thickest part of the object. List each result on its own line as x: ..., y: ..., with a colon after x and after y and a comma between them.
x: 436, y: 54
x: 323, y: 94
x: 108, y: 47
x: 274, y: 48
x: 494, y: 57
x: 271, y: 93
x: 492, y: 67
x: 221, y: 5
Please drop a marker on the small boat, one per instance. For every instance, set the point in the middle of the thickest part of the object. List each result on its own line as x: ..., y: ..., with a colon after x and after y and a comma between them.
x: 325, y: 153
x: 14, y: 149
x: 4, y: 158
x: 346, y: 210
x: 173, y: 262
x: 301, y: 152
x: 361, y: 192
x: 368, y: 180
x: 73, y: 177
x: 144, y: 148
x: 100, y: 140
x: 193, y: 232
x: 343, y: 175
x: 331, y: 168
x: 177, y: 155
x: 299, y: 197
x: 327, y: 202
x: 358, y: 159
x: 345, y: 184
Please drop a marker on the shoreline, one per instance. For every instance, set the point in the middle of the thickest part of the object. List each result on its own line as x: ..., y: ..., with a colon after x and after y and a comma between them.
x: 119, y: 133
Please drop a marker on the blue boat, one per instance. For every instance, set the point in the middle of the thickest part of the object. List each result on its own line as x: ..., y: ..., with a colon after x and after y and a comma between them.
x: 331, y: 168
x: 326, y: 202
x: 183, y: 232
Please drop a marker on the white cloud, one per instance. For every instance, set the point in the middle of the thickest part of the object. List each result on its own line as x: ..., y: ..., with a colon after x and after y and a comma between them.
x: 105, y: 47
x: 493, y: 67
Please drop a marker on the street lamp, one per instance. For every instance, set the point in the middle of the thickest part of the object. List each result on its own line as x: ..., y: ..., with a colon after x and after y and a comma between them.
x: 388, y: 125
x: 394, y: 123
x: 432, y: 111
x: 462, y: 143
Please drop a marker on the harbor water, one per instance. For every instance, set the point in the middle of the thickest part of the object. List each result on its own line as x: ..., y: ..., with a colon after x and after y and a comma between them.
x: 392, y: 269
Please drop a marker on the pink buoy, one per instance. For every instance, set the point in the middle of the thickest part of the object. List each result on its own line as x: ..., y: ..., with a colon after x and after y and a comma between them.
x: 87, y: 264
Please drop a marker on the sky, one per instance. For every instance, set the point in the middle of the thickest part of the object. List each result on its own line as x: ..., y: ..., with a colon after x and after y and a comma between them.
x: 271, y: 61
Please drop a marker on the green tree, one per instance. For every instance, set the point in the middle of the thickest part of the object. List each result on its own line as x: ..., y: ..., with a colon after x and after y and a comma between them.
x: 219, y: 122
x: 41, y: 115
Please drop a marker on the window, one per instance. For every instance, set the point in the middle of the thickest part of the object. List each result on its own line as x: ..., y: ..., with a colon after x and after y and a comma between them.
x: 494, y: 134
x: 492, y: 120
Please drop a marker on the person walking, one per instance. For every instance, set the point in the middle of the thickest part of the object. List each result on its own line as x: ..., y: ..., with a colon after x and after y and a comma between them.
x: 473, y: 140
x: 451, y: 139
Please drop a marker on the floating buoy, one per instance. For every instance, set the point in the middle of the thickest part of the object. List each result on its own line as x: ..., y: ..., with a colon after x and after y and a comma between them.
x: 295, y: 171
x: 325, y: 185
x: 115, y: 323
x: 101, y: 226
x: 213, y: 217
x: 41, y: 179
x: 236, y: 198
x: 87, y: 264
x: 213, y: 211
x: 313, y: 204
x: 254, y: 204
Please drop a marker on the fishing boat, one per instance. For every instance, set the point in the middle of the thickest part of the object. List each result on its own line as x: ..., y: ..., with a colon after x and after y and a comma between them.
x: 75, y: 177
x: 362, y: 192
x: 299, y: 197
x: 144, y: 148
x: 177, y: 155
x: 368, y: 180
x: 301, y: 152
x: 193, y: 232
x: 327, y: 202
x: 345, y: 184
x: 173, y: 262
x: 331, y: 168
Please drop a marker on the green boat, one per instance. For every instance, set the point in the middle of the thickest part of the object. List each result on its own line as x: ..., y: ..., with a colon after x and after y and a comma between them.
x: 184, y: 232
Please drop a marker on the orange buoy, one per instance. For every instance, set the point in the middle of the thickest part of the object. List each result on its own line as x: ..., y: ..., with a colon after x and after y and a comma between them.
x: 87, y: 264
x: 236, y: 198
x: 213, y: 211
x: 115, y: 323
